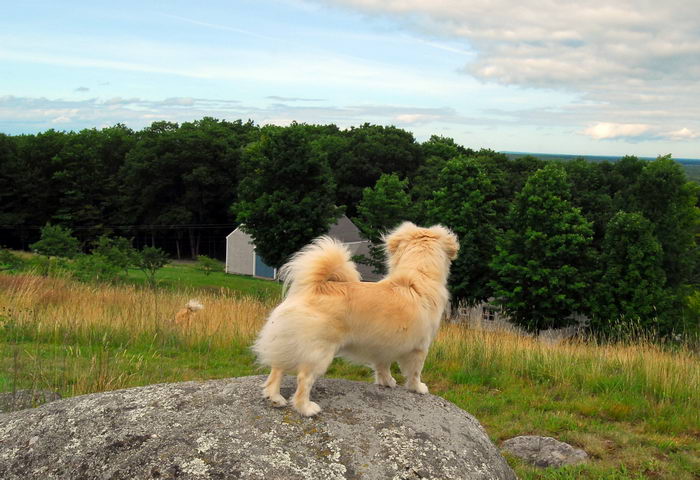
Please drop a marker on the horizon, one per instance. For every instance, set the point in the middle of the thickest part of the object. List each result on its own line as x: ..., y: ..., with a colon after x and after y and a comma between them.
x: 607, y: 81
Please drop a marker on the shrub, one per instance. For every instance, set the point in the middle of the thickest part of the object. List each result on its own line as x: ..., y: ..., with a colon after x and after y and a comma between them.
x: 150, y: 260
x: 116, y: 251
x: 9, y: 261
x: 208, y: 265
x: 96, y: 268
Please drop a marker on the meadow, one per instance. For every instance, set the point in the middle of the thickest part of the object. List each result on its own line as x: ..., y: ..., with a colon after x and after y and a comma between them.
x: 634, y: 406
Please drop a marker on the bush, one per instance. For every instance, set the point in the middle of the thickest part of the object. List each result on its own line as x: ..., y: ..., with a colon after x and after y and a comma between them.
x: 96, y: 268
x: 9, y: 261
x: 116, y: 251
x: 208, y: 265
x: 150, y: 260
x: 56, y: 241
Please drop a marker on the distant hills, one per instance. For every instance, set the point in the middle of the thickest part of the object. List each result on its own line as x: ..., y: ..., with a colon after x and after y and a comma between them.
x: 592, y: 158
x: 690, y: 165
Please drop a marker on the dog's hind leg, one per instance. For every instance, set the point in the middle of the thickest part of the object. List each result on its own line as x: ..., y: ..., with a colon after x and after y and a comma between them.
x: 308, y: 373
x: 271, y: 387
x: 382, y: 375
x: 411, y: 366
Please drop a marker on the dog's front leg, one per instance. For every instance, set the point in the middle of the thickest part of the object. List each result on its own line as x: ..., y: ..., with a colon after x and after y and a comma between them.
x: 411, y: 366
x: 382, y: 375
x: 271, y: 388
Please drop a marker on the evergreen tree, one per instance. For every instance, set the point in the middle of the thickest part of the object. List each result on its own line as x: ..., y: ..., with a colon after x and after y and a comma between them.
x: 541, y: 261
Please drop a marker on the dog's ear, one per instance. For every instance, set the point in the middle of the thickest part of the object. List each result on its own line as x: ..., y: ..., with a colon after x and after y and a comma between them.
x: 448, y: 240
x: 393, y: 239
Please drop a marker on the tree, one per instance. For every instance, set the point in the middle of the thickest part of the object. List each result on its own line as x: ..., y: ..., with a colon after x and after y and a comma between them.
x: 179, y: 178
x: 542, y: 260
x: 116, y: 251
x: 464, y: 203
x: 28, y: 196
x: 663, y: 195
x: 149, y: 260
x: 382, y: 208
x: 371, y: 151
x: 56, y: 241
x: 590, y: 192
x: 286, y: 192
x: 86, y: 174
x: 631, y: 288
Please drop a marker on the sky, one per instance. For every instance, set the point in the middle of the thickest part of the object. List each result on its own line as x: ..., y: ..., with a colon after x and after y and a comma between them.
x: 545, y: 76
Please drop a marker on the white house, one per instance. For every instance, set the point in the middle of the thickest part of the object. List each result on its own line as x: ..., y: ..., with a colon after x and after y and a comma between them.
x: 242, y: 259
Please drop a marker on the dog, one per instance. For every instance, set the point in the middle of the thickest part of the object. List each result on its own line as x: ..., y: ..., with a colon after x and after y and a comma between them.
x: 184, y: 316
x: 327, y: 312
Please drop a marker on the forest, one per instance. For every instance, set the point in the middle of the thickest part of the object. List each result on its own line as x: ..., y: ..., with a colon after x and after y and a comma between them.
x: 613, y: 240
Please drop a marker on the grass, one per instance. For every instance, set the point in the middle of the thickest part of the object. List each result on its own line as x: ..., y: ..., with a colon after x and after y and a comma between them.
x: 633, y: 407
x: 176, y: 274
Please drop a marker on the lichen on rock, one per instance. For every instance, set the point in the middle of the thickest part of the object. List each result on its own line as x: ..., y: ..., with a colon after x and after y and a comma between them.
x: 223, y: 429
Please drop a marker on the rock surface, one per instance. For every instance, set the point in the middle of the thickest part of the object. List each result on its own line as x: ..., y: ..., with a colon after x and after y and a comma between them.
x: 544, y: 451
x: 223, y: 429
x: 21, y: 399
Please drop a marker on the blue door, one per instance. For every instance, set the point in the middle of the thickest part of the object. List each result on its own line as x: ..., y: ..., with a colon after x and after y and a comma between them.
x: 262, y: 269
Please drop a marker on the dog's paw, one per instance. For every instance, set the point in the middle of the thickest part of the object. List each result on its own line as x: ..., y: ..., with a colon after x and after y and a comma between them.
x: 386, y: 382
x: 309, y: 409
x: 278, y: 401
x: 419, y: 387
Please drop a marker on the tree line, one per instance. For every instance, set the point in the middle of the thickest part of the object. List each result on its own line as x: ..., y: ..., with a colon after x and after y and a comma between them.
x: 614, y: 241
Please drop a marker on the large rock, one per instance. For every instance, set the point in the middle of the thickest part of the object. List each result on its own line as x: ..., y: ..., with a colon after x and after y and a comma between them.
x: 544, y: 451
x: 21, y: 399
x: 223, y: 429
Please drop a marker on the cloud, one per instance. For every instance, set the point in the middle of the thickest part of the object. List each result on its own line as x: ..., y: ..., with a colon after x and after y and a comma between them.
x: 637, y: 132
x: 633, y: 62
x: 606, y: 131
x: 294, y: 99
x: 82, y: 89
x: 41, y: 113
x: 683, y: 134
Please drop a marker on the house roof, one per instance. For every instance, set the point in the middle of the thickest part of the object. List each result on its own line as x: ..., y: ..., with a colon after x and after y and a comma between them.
x: 345, y: 231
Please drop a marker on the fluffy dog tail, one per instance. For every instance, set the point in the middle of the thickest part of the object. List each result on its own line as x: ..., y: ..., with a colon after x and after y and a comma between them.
x: 194, y: 305
x: 323, y: 260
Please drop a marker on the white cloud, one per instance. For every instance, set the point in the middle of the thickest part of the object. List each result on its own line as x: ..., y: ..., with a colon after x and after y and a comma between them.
x: 633, y: 62
x: 606, y: 131
x: 683, y: 134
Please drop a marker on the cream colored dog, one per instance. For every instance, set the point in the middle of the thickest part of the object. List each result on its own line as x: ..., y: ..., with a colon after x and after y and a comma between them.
x: 328, y: 311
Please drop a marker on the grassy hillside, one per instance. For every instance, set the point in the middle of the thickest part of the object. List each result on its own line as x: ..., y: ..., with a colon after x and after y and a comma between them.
x: 634, y: 408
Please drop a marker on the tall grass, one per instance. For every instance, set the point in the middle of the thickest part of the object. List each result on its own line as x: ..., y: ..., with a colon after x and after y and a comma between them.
x: 80, y: 338
x: 634, y: 406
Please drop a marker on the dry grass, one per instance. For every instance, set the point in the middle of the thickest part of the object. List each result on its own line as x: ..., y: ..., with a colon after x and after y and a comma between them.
x: 634, y: 407
x: 51, y: 305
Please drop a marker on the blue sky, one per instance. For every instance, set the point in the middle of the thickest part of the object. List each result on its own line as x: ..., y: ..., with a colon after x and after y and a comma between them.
x: 536, y: 75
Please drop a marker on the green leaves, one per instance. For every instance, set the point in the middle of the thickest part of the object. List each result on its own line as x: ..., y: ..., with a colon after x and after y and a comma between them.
x: 56, y: 241
x: 465, y: 203
x: 286, y: 193
x: 543, y: 261
x: 382, y: 208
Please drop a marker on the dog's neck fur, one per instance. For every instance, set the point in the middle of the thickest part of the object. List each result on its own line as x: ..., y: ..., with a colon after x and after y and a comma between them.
x: 426, y: 265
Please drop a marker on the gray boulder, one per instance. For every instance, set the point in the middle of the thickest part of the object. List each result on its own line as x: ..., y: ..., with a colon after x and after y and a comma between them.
x: 21, y: 399
x: 544, y: 451
x: 223, y: 429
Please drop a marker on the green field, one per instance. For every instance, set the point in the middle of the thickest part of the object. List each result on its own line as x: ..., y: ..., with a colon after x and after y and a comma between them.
x: 634, y: 408
x: 181, y: 274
